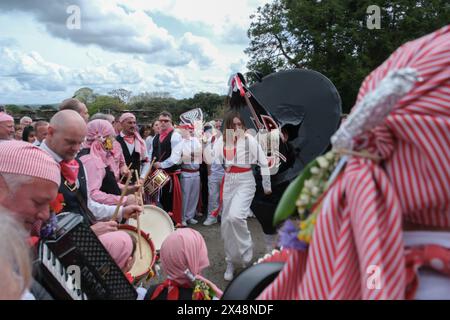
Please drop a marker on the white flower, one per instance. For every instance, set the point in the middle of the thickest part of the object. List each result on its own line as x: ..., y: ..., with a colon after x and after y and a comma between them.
x: 309, y: 184
x: 323, y: 162
x: 304, y: 198
x: 330, y: 156
x: 315, y: 170
x: 315, y: 191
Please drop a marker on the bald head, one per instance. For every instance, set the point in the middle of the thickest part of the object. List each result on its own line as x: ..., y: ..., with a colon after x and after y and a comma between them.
x: 75, y: 105
x: 66, y: 133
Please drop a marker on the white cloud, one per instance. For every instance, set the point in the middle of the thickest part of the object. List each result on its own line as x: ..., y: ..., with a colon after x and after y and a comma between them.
x: 34, y: 73
x: 120, y: 45
x: 101, y: 22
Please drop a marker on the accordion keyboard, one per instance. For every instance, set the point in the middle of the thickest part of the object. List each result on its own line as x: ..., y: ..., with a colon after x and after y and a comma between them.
x: 66, y: 280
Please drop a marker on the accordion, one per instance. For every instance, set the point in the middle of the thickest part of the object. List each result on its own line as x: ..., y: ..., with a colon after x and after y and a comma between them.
x: 74, y: 265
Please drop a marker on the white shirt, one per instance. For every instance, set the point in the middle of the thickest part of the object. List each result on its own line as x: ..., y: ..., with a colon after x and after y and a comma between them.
x: 189, y: 153
x: 146, y: 165
x: 248, y: 152
x: 170, y: 161
x: 102, y: 212
x: 37, y: 143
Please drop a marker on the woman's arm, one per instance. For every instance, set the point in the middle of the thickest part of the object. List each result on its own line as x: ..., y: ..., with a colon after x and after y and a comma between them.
x: 259, y: 155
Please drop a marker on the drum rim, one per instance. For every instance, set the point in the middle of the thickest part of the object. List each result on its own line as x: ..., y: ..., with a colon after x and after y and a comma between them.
x: 166, y: 215
x: 150, y: 242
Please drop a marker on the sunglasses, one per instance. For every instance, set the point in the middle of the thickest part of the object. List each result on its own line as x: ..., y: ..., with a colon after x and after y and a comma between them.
x: 165, y: 121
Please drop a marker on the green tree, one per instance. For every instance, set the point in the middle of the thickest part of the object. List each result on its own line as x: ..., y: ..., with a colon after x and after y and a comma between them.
x: 331, y: 36
x: 13, y: 109
x: 122, y: 94
x: 208, y: 102
x: 85, y: 95
x: 106, y: 104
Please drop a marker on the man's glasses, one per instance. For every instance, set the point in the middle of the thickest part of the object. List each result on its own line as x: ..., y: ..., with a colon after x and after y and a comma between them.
x: 165, y: 121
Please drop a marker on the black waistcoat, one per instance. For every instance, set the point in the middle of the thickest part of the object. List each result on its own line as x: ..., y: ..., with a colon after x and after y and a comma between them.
x: 163, y: 150
x: 134, y: 158
x: 109, y: 183
x: 70, y: 198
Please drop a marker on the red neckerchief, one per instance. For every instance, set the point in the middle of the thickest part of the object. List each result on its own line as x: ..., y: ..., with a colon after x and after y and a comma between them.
x: 173, y: 291
x: 69, y: 170
x: 431, y: 256
x: 164, y: 134
x: 129, y: 139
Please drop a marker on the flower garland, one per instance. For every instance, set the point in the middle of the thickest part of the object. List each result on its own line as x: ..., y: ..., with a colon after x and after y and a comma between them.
x: 202, y: 291
x: 314, y: 181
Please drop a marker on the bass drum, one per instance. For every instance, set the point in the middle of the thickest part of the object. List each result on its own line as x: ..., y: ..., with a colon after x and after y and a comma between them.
x: 251, y: 282
x: 156, y: 223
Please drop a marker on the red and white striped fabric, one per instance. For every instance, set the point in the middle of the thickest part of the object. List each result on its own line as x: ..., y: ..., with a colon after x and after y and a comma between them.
x: 360, y: 224
x: 22, y: 158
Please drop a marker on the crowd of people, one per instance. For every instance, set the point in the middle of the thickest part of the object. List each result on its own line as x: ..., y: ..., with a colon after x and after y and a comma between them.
x: 81, y: 164
x: 385, y: 214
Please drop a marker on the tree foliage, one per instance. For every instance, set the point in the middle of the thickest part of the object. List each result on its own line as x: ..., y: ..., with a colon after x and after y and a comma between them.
x: 122, y: 94
x: 85, y: 95
x: 332, y: 37
x: 105, y: 104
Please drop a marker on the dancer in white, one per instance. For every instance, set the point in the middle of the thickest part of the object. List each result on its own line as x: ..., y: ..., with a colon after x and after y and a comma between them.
x: 215, y: 177
x: 191, y: 151
x: 238, y: 151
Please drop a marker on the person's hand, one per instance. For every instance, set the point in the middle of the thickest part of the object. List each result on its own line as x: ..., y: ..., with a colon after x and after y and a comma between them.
x: 267, y: 192
x: 157, y: 165
x: 124, y: 171
x: 133, y: 189
x: 131, y: 211
x: 103, y: 227
x: 131, y: 199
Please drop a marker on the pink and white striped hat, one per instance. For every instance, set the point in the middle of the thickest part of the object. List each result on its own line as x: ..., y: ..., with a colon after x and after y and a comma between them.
x: 5, y: 117
x: 22, y: 158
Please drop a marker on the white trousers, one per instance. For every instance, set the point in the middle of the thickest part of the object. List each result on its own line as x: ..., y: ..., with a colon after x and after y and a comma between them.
x: 190, y: 187
x: 214, y: 183
x: 239, y: 190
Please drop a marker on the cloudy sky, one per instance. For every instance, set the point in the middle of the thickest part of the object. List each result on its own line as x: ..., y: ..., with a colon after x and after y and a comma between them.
x: 178, y: 46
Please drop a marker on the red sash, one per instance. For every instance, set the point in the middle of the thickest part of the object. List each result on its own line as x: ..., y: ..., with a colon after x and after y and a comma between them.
x: 177, y: 197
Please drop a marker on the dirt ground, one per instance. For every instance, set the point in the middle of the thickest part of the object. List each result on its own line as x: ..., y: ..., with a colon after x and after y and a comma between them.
x: 216, y: 252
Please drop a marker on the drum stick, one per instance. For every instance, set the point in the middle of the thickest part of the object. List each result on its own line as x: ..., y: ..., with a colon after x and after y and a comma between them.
x: 140, y: 201
x: 129, y: 166
x: 124, y: 191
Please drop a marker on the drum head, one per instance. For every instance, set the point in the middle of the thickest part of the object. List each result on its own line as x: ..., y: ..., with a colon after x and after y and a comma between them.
x: 157, y: 223
x: 141, y: 267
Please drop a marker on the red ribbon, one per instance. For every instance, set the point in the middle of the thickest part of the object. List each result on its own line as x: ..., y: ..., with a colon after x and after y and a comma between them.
x: 431, y: 256
x: 173, y: 291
